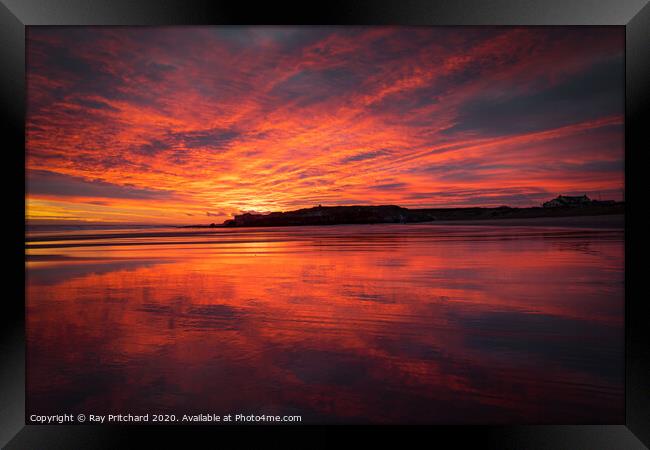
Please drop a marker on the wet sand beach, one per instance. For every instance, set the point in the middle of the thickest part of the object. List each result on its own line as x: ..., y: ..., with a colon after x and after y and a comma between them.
x: 602, y: 221
x: 418, y: 323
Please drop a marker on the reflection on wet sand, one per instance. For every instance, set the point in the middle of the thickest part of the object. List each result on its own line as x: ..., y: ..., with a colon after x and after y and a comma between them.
x: 381, y: 323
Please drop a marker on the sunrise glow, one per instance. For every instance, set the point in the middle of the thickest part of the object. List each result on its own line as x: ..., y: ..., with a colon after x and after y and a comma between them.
x: 193, y: 125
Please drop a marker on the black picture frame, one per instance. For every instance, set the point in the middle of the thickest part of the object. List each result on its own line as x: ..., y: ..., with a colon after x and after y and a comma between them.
x: 15, y: 15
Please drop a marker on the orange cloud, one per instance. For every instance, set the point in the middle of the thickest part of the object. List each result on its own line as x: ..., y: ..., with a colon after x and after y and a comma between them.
x: 181, y: 125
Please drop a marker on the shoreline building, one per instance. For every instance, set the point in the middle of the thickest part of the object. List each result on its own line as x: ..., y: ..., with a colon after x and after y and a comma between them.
x: 567, y: 200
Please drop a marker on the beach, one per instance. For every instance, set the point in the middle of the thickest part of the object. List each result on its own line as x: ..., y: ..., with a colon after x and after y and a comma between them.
x: 387, y: 323
x: 613, y: 221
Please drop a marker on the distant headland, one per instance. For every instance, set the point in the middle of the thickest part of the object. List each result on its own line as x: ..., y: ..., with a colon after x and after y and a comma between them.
x: 562, y: 206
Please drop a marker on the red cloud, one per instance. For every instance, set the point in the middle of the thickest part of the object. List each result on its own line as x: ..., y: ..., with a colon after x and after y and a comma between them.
x: 276, y: 118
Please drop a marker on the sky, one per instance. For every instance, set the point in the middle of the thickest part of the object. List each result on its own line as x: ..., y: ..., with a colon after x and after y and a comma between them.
x: 191, y: 125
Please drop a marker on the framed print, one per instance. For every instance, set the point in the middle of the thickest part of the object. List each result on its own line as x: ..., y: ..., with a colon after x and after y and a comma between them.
x: 414, y: 218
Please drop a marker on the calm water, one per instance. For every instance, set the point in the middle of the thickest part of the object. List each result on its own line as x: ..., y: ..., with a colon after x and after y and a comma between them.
x: 370, y: 323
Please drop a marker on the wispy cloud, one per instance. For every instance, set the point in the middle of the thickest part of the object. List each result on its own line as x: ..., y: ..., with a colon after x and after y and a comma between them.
x: 164, y: 124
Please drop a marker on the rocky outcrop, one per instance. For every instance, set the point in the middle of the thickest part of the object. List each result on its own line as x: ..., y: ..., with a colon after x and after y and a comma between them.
x: 338, y: 215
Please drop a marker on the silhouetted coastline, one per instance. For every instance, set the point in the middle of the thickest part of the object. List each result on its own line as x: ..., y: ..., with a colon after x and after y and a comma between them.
x: 341, y: 215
